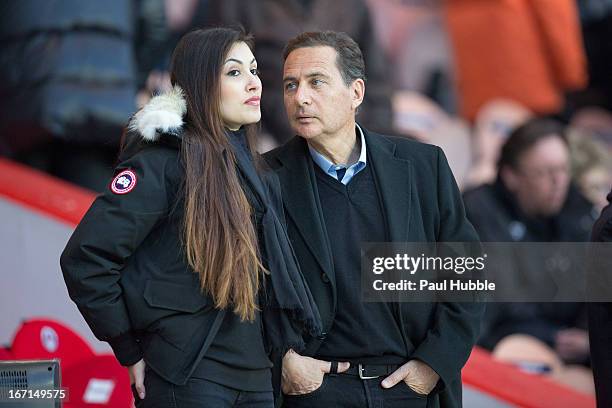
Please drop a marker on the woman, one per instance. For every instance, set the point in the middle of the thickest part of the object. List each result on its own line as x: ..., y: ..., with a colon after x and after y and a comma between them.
x: 182, y: 265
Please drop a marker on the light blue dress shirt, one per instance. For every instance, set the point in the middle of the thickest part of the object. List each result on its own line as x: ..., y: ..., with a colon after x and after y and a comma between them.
x: 331, y: 169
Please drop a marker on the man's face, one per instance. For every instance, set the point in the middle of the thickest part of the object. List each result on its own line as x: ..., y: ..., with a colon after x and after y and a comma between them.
x: 541, y: 179
x: 318, y: 102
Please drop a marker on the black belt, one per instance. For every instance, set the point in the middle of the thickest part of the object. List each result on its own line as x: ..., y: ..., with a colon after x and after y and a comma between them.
x: 366, y: 371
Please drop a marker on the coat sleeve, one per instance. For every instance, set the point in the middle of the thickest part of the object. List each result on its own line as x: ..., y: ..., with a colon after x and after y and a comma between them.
x: 109, y: 233
x: 456, y: 325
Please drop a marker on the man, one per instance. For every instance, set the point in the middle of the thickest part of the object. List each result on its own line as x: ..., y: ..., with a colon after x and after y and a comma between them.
x: 533, y: 200
x: 343, y: 185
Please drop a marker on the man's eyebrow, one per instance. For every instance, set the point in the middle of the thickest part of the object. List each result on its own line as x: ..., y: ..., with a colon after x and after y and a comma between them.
x: 316, y: 74
x: 311, y: 75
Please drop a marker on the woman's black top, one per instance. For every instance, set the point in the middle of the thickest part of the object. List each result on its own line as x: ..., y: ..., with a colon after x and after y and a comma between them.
x: 237, y: 357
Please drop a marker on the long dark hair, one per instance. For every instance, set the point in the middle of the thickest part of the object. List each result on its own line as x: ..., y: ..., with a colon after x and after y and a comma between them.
x: 219, y: 237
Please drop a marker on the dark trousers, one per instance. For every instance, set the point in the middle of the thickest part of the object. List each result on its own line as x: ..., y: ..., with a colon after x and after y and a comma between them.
x: 349, y: 391
x: 197, y: 393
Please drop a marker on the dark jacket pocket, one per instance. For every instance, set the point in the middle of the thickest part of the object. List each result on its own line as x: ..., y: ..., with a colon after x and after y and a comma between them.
x: 173, y: 296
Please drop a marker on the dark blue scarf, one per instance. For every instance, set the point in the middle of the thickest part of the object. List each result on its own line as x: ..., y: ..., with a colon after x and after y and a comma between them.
x: 288, y: 308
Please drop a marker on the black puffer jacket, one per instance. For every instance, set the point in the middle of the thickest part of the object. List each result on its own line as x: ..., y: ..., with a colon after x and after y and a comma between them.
x: 124, y: 266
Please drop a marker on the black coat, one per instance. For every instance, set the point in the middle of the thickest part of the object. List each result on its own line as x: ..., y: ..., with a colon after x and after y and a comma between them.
x: 600, y: 319
x: 421, y: 202
x: 125, y: 269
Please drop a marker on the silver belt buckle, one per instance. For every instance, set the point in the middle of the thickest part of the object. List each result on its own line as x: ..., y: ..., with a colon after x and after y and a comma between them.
x: 363, y: 377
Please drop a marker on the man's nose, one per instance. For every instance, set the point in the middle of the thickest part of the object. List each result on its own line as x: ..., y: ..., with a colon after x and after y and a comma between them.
x: 302, y: 96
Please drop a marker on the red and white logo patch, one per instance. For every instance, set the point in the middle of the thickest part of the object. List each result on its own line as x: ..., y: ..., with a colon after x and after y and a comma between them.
x: 123, y: 182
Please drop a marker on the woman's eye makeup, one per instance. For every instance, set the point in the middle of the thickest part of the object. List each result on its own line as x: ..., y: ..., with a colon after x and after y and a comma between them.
x: 235, y: 71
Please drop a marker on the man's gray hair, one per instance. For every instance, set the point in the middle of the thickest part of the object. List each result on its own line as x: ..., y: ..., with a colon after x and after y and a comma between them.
x: 349, y: 60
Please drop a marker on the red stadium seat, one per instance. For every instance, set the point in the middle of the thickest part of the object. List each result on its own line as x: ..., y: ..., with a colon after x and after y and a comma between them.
x: 48, y: 339
x: 6, y: 354
x: 99, y: 381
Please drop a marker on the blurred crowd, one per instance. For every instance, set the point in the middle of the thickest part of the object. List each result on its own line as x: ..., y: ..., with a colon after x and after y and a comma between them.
x: 517, y: 93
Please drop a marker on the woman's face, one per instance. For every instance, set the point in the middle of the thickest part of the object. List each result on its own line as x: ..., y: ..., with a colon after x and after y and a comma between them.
x: 240, y: 88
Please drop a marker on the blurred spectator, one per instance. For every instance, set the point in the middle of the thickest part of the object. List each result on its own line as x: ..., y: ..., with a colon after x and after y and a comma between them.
x: 532, y: 200
x: 597, y: 122
x: 529, y: 51
x: 274, y: 22
x: 151, y: 37
x: 413, y: 35
x: 160, y: 25
x: 419, y: 117
x: 591, y: 167
x: 596, y: 18
x: 494, y: 122
x: 68, y: 85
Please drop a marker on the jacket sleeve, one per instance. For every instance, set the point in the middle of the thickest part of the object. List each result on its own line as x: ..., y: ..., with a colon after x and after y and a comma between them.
x: 456, y: 325
x: 109, y: 233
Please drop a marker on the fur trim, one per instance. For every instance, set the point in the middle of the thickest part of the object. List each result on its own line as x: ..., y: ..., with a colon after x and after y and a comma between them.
x: 163, y: 113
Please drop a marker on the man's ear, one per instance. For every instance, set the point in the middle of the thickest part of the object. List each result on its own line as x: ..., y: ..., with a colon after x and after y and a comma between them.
x: 510, y: 178
x: 357, y: 92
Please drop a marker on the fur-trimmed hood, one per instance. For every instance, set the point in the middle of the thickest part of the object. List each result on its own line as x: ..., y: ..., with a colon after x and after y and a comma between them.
x: 162, y: 114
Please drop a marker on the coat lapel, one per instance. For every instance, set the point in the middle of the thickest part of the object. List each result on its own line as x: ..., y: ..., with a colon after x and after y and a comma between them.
x: 393, y: 177
x: 302, y: 202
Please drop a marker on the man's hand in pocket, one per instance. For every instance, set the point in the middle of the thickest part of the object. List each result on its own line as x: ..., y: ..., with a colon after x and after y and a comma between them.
x: 303, y: 375
x: 420, y: 377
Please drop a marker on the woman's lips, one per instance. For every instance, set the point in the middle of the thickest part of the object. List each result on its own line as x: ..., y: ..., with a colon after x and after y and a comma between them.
x: 254, y: 101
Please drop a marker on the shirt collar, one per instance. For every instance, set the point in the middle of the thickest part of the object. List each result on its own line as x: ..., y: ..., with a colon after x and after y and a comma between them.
x: 330, y: 168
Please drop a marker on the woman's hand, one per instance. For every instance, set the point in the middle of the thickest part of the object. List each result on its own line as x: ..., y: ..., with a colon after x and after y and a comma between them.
x: 137, y: 375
